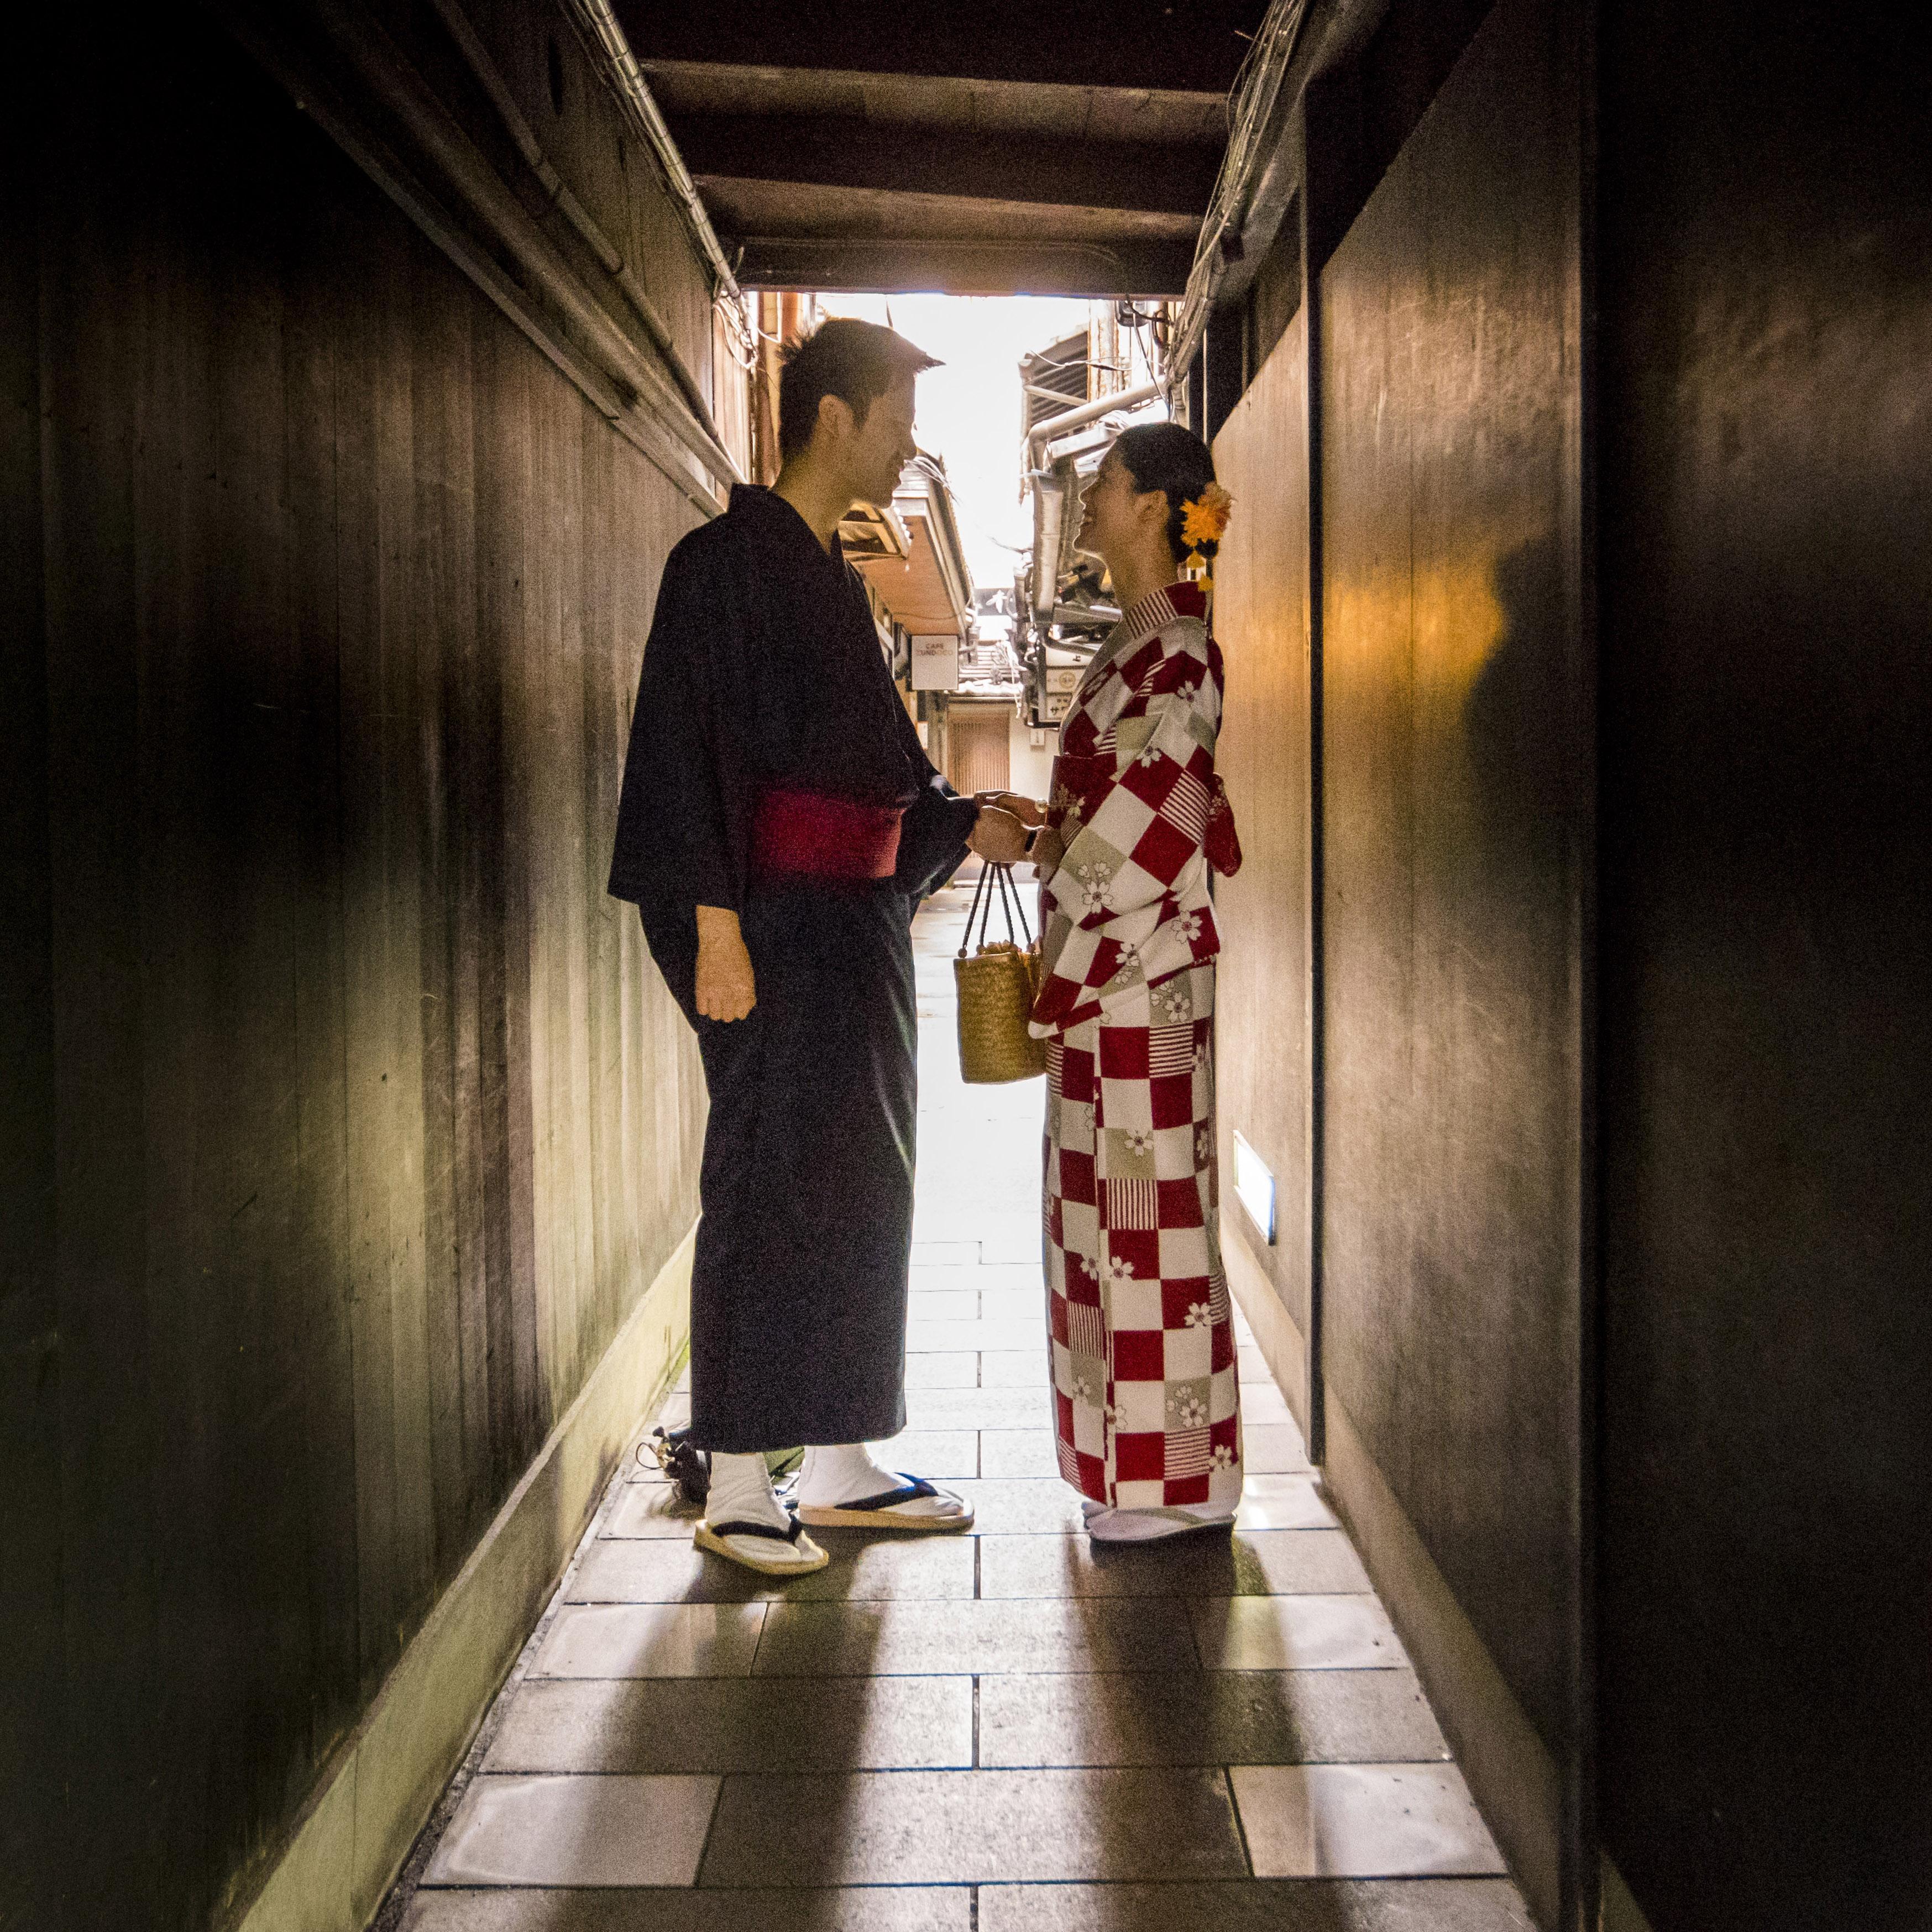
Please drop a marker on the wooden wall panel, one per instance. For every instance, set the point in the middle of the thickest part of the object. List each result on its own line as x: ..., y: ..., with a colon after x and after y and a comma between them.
x: 1765, y: 418
x: 361, y: 1117
x: 1263, y: 1015
x: 1456, y: 826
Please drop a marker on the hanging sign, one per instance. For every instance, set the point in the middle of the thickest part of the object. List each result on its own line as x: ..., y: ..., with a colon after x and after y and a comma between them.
x: 935, y: 664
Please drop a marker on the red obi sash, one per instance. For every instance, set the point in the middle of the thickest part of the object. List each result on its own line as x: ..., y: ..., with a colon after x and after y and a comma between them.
x: 804, y: 833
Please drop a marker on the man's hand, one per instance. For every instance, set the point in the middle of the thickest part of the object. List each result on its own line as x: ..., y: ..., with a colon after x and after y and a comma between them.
x: 1027, y: 810
x: 998, y: 836
x: 726, y: 989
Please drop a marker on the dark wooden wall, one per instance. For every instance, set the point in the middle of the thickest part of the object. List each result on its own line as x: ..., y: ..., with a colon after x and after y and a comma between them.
x: 346, y: 1117
x: 1765, y: 418
x: 1263, y: 1031
x: 1455, y: 813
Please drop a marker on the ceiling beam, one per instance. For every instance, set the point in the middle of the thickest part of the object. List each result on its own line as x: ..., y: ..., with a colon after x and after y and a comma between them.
x: 833, y: 151
x: 1132, y: 44
x: 1143, y: 269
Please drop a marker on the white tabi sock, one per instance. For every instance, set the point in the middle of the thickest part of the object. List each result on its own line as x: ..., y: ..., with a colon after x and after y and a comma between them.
x: 741, y: 1492
x: 841, y: 1473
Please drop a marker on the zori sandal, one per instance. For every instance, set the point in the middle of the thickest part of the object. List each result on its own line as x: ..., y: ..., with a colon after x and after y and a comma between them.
x: 752, y: 1544
x: 915, y: 1504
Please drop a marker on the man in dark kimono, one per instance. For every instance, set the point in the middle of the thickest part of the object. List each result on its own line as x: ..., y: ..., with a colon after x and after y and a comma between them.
x: 780, y: 823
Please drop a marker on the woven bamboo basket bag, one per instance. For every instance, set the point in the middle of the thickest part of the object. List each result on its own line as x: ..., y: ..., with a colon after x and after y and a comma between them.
x: 996, y: 987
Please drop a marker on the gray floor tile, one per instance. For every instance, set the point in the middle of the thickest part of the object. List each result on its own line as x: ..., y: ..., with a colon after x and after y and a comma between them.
x: 1283, y: 1502
x: 651, y: 1509
x: 942, y: 1827
x: 1022, y: 1506
x: 977, y: 1408
x: 921, y: 1334
x: 1257, y: 1905
x: 937, y: 1453
x: 655, y: 1570
x: 1262, y: 1403
x: 651, y: 1640
x: 720, y: 1724
x: 853, y: 1909
x: 1026, y: 1303
x: 957, y: 1368
x: 1272, y: 1448
x: 1261, y: 1562
x: 576, y: 1831
x: 1219, y: 1717
x: 986, y: 1279
x: 943, y: 1304
x: 880, y: 1639
x: 1295, y: 1634
x: 1251, y: 1366
x: 945, y: 1254
x: 1018, y: 1452
x: 1362, y: 1821
x: 1017, y: 1243
x: 1016, y: 1368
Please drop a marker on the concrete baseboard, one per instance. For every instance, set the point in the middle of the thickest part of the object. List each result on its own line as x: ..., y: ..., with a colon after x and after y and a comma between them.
x: 1511, y: 1772
x: 1283, y: 1346
x: 1620, y: 1912
x: 351, y: 1838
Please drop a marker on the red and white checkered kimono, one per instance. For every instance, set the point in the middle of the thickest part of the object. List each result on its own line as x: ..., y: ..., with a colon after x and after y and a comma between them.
x: 1143, y: 1348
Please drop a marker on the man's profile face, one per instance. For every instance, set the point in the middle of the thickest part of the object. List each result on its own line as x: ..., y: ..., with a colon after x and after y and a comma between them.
x: 882, y: 445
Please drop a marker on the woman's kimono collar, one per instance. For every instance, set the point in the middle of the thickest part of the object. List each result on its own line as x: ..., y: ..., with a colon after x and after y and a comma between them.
x: 1146, y: 618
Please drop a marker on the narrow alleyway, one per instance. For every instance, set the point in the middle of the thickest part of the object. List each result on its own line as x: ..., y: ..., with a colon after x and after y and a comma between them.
x: 1001, y: 1731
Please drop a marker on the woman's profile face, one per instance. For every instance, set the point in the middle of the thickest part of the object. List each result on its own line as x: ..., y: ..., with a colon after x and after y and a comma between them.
x: 1109, y: 508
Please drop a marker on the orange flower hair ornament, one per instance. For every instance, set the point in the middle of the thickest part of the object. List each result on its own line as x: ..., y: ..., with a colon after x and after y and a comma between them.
x: 1204, y: 519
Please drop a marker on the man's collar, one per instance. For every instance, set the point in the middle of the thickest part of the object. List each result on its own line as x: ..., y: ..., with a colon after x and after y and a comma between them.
x: 762, y: 505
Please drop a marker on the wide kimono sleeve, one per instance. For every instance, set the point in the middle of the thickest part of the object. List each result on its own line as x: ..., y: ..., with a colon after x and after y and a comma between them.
x: 684, y: 816
x: 1131, y: 846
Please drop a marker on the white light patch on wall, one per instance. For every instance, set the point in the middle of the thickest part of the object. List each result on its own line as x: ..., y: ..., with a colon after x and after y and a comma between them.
x: 1254, y: 1188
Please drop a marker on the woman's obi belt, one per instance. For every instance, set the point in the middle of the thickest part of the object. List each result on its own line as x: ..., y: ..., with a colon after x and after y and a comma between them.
x: 806, y: 834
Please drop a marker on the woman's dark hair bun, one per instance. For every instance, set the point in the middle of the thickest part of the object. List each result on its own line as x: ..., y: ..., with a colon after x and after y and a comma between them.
x: 1164, y: 456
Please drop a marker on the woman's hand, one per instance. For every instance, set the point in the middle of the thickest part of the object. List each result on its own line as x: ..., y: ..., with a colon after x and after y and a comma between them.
x: 726, y: 988
x: 1027, y: 810
x: 998, y: 836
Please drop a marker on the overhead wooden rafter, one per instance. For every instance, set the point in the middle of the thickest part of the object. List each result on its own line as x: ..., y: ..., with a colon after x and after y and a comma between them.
x: 997, y: 149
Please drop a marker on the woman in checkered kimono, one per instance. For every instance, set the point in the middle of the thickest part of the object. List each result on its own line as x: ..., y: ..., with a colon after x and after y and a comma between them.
x: 1148, y: 1414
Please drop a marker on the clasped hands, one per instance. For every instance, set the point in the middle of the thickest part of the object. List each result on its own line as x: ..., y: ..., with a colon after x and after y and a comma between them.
x: 726, y: 989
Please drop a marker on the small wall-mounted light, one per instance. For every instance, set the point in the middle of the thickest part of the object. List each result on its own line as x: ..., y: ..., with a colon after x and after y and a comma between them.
x: 1254, y: 1188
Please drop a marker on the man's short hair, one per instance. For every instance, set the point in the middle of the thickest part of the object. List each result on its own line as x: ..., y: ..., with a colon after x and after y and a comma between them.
x: 857, y: 361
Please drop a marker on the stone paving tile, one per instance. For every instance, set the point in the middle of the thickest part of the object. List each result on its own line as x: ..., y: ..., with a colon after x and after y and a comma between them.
x: 1250, y: 1563
x: 1023, y: 1506
x: 1262, y: 1403
x: 1254, y: 1905
x: 944, y: 1304
x: 984, y: 1279
x: 738, y: 1724
x: 1016, y: 1368
x: 1295, y: 1634
x: 1026, y: 1453
x: 941, y: 1827
x: 1027, y: 1304
x: 958, y: 1368
x: 1272, y: 1448
x: 853, y: 1909
x: 883, y: 1639
x: 651, y: 1509
x: 1012, y: 1332
x: 993, y: 1407
x: 651, y: 1640
x: 1221, y: 1717
x: 1283, y: 1502
x: 576, y: 1831
x: 1363, y: 1821
x: 937, y: 1453
x: 945, y: 1254
x: 658, y: 1570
